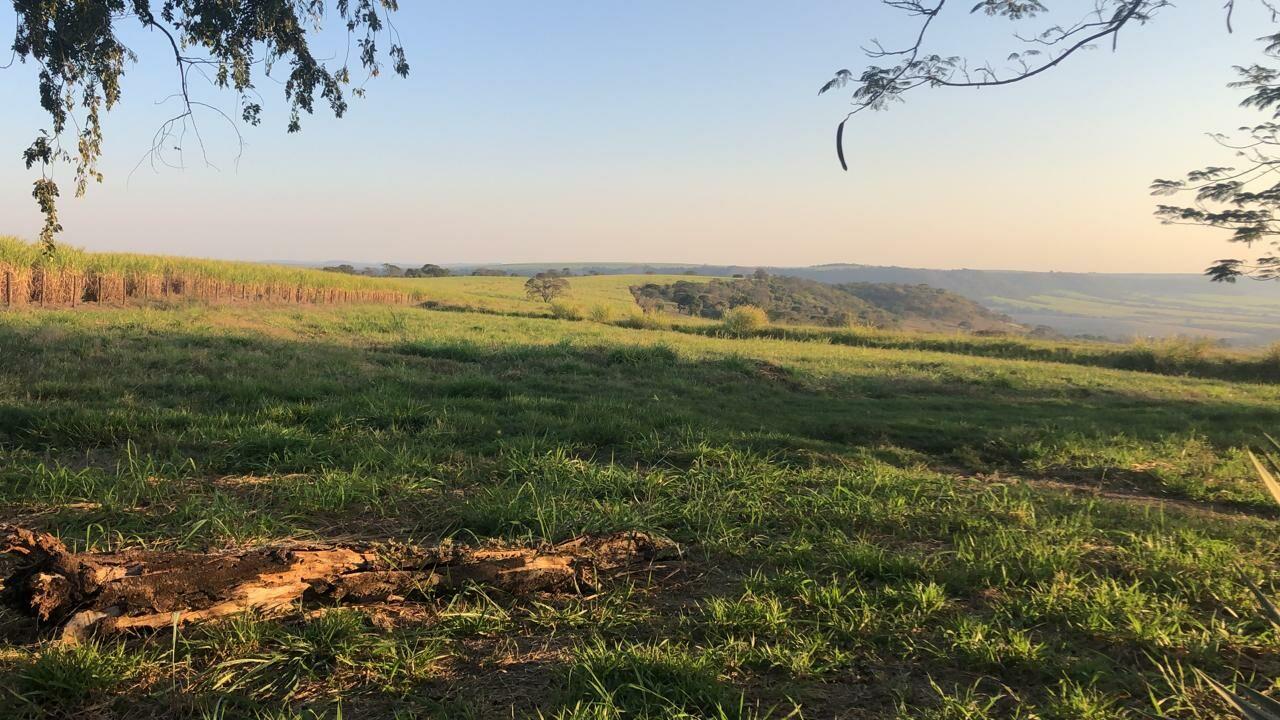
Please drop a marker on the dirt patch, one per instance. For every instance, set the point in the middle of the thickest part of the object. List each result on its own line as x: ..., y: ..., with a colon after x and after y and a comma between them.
x: 139, y: 589
x: 775, y: 373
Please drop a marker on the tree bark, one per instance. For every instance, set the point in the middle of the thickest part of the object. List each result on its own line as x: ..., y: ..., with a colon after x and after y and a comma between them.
x: 147, y: 590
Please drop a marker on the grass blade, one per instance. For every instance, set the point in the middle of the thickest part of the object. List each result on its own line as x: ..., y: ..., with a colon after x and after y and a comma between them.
x: 1248, y: 706
x: 1268, y: 609
x: 1267, y: 478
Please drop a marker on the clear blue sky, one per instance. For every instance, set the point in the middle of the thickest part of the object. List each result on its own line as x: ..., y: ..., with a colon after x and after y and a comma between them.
x: 681, y: 132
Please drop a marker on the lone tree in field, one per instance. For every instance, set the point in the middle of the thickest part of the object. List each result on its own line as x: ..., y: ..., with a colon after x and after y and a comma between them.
x: 1243, y: 200
x: 546, y: 286
x: 82, y: 61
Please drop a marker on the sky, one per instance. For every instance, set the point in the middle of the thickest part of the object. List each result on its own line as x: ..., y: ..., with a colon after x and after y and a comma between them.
x: 671, y: 131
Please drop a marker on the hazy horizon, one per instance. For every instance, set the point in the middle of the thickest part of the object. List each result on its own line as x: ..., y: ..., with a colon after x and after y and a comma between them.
x: 691, y: 133
x: 561, y: 262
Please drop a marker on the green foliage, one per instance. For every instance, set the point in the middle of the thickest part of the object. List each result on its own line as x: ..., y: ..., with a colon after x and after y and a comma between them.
x: 82, y: 58
x: 652, y: 681
x: 744, y: 319
x: 800, y: 301
x: 786, y: 299
x: 428, y: 270
x: 1240, y: 198
x: 67, y: 678
x: 907, y: 302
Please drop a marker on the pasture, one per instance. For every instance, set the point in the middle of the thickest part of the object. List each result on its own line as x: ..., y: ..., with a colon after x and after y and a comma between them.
x: 864, y: 532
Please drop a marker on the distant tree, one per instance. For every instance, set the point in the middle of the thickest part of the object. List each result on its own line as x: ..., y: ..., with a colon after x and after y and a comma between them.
x: 82, y: 58
x: 344, y: 269
x: 1244, y: 201
x: 760, y: 274
x: 489, y: 272
x: 687, y: 298
x: 389, y: 270
x: 428, y: 270
x: 546, y: 287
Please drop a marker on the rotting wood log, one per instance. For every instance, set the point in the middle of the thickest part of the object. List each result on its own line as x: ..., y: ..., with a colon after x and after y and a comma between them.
x: 147, y: 590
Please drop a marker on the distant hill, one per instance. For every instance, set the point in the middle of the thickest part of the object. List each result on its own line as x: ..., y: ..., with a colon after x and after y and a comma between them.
x: 804, y: 301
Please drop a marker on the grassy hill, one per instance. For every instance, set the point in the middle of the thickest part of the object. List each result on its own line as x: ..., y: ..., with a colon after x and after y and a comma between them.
x: 903, y: 530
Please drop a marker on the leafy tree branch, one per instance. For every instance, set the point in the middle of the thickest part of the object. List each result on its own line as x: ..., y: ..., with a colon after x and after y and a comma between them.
x: 1243, y: 200
x: 82, y: 60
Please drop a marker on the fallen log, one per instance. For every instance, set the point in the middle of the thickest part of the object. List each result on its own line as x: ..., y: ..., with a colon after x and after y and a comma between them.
x: 139, y: 589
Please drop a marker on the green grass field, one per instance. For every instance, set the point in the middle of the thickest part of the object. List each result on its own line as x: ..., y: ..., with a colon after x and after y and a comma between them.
x: 867, y: 532
x: 506, y: 295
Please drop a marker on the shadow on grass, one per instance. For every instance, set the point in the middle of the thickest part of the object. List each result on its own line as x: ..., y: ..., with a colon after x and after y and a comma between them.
x: 1173, y: 356
x: 252, y: 404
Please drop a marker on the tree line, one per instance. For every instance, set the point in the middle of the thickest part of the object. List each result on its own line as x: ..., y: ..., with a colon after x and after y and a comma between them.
x: 428, y: 270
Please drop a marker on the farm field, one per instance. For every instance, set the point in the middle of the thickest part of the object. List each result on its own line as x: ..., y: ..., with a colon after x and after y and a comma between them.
x: 1247, y: 320
x: 863, y: 532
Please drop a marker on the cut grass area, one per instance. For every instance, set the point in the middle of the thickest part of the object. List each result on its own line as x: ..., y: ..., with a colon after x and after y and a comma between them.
x: 868, y: 532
